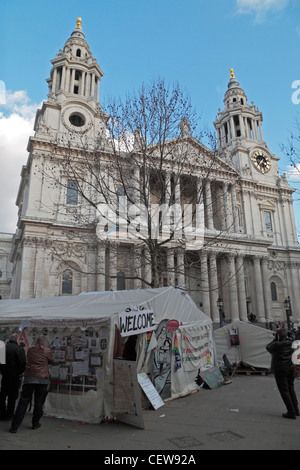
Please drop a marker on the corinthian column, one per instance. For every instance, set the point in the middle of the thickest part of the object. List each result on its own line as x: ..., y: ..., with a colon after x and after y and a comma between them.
x: 101, y: 268
x: 267, y: 289
x: 180, y: 268
x: 204, y: 283
x: 213, y: 282
x: 241, y: 287
x: 208, y: 205
x: 260, y: 304
x: 234, y: 302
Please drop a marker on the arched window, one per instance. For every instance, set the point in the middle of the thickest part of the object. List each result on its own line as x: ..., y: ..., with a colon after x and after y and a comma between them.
x: 78, y: 53
x: 273, y: 292
x: 67, y: 282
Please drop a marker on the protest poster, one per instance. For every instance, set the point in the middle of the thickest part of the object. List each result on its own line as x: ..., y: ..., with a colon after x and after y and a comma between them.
x: 195, y: 347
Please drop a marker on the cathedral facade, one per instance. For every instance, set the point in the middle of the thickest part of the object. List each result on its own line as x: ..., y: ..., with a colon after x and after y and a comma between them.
x: 248, y: 264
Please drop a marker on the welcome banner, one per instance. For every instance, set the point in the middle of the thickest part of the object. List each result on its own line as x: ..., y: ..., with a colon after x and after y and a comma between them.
x: 136, y: 320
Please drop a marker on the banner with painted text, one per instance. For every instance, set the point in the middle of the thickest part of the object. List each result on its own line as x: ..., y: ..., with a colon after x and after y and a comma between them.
x: 196, y: 347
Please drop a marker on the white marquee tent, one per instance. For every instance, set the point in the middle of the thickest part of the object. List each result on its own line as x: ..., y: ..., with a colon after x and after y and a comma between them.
x: 251, y: 348
x: 84, y: 334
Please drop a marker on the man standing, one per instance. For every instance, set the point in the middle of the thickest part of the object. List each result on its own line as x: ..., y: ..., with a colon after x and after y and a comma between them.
x: 36, y: 381
x: 15, y: 361
x: 284, y: 369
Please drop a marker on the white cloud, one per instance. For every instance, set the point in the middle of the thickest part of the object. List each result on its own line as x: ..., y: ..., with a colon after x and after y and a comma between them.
x: 293, y: 173
x: 260, y: 8
x: 16, y: 126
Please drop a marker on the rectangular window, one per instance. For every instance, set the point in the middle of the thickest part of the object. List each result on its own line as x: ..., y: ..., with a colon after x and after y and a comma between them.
x: 72, y: 193
x: 268, y: 221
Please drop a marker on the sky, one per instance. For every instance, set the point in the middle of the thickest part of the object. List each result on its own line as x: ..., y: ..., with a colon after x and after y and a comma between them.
x: 192, y: 42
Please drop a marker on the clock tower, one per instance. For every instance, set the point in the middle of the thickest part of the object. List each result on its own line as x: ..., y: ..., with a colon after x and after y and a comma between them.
x: 239, y: 133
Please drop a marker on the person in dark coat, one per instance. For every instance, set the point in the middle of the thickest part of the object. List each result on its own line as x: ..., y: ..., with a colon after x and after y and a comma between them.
x: 284, y: 371
x: 11, y: 371
x: 36, y: 382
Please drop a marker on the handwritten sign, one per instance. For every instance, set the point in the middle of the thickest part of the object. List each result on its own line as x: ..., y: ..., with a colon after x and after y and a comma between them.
x: 135, y: 320
x: 150, y: 390
x: 195, y: 346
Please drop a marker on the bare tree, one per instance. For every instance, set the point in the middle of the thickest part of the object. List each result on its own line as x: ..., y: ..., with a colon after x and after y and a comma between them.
x: 131, y: 178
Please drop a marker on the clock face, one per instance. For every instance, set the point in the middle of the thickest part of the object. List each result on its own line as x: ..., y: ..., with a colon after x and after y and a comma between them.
x: 261, y: 161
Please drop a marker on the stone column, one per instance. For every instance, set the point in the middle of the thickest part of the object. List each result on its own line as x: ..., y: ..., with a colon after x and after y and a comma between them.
x: 171, y: 267
x: 137, y: 267
x: 63, y: 78
x: 98, y: 89
x: 234, y: 303
x: 27, y: 271
x: 72, y: 80
x: 260, y: 131
x: 147, y: 268
x: 213, y: 283
x: 241, y: 287
x: 204, y: 283
x: 39, y: 270
x: 260, y: 304
x: 113, y: 266
x: 88, y: 86
x: 267, y: 289
x: 82, y: 83
x: 234, y: 209
x: 226, y: 206
x: 208, y: 205
x: 67, y: 84
x: 180, y: 268
x: 177, y: 191
x: 233, y: 135
x: 241, y: 119
x: 101, y: 268
x: 93, y: 86
x: 54, y: 81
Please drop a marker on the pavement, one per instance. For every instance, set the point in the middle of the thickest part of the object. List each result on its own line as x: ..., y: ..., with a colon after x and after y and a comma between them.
x: 243, y: 415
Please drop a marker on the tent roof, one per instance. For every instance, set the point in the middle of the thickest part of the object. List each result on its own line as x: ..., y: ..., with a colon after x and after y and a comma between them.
x: 168, y: 300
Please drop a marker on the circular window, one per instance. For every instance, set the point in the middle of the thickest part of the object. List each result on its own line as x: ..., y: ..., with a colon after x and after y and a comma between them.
x: 77, y: 120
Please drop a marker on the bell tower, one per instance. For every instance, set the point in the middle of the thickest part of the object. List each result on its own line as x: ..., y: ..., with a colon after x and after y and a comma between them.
x: 240, y: 136
x: 75, y: 71
x: 73, y: 98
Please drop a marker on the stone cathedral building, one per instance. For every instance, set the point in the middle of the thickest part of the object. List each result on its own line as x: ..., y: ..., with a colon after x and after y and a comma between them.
x: 253, y: 267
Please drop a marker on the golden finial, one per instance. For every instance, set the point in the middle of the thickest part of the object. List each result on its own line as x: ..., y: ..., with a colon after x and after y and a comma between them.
x: 78, y: 24
x: 232, y: 73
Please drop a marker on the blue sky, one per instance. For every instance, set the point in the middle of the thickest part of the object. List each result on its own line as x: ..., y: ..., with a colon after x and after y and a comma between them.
x: 194, y: 42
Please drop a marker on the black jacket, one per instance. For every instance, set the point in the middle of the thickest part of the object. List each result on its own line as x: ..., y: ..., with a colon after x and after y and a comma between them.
x: 282, y: 352
x: 15, y: 359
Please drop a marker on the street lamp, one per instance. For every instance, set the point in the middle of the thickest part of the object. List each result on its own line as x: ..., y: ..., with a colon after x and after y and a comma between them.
x: 288, y: 309
x: 221, y: 313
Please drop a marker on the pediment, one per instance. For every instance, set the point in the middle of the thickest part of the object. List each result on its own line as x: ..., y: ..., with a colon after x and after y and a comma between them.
x: 193, y: 154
